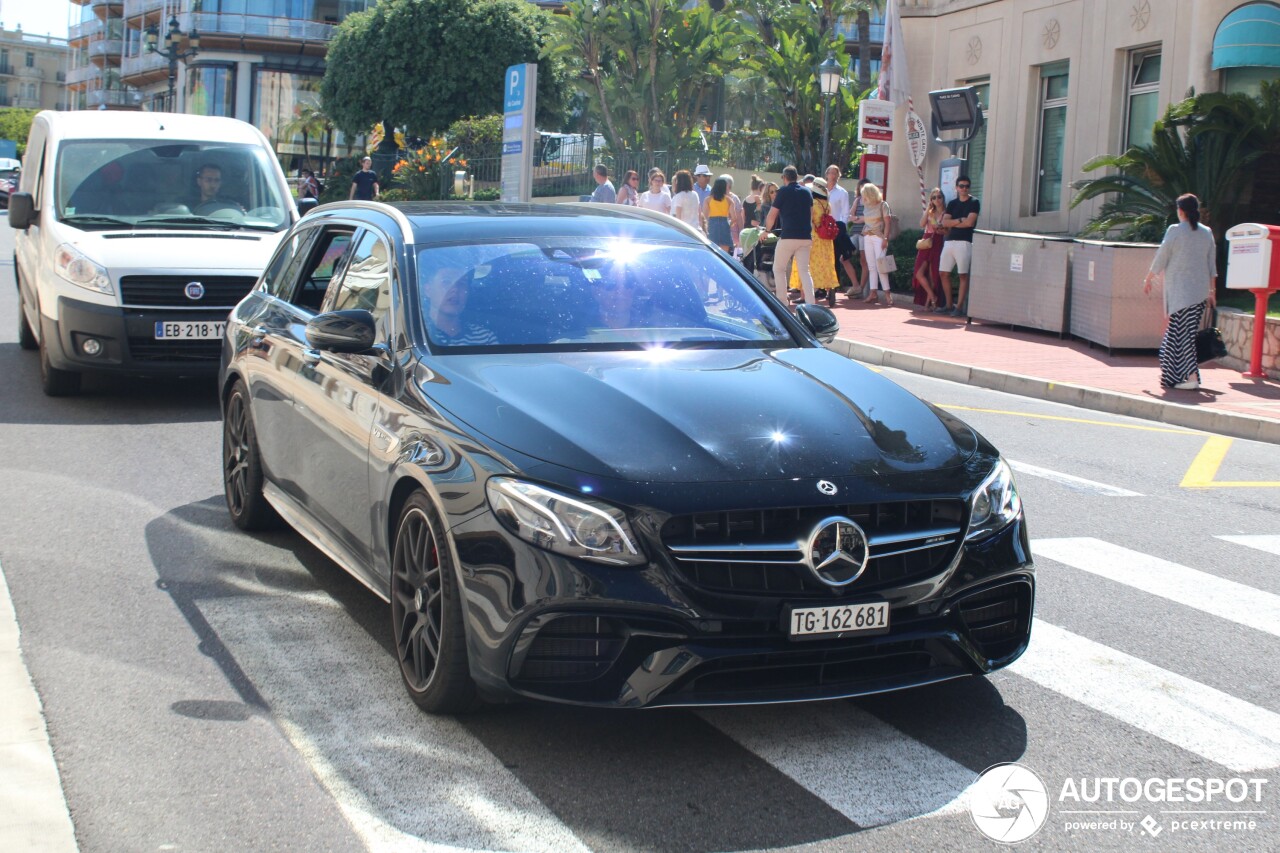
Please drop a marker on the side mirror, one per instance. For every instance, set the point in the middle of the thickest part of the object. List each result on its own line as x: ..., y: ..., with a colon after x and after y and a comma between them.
x: 22, y: 211
x: 342, y: 331
x: 306, y: 205
x: 819, y: 320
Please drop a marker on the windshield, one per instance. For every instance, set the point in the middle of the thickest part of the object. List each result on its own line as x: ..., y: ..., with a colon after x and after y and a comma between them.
x: 148, y: 183
x: 590, y: 294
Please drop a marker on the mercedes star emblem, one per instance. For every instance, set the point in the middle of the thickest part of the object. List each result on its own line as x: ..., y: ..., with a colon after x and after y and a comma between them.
x: 837, y: 551
x: 827, y: 487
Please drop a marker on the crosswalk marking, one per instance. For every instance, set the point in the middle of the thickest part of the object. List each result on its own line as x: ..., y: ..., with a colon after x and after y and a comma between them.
x: 1080, y: 484
x: 1270, y: 544
x: 1190, y: 715
x: 866, y: 769
x: 1227, y: 599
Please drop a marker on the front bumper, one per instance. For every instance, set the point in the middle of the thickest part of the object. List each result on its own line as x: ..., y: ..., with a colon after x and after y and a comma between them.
x: 559, y: 630
x: 127, y: 336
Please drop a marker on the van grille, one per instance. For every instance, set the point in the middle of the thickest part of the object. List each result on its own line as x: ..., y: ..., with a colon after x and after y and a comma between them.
x: 169, y: 291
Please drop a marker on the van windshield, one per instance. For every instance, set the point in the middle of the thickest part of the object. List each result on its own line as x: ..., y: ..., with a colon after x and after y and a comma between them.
x: 148, y: 183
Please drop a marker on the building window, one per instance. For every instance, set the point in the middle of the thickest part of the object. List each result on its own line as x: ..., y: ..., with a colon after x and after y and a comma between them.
x: 31, y: 59
x: 211, y: 90
x: 1053, y: 137
x: 1143, y: 105
x: 977, y: 153
x: 280, y: 99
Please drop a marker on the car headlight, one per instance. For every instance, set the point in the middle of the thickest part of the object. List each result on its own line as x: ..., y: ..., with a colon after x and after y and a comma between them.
x: 571, y: 525
x: 71, y: 264
x: 995, y: 503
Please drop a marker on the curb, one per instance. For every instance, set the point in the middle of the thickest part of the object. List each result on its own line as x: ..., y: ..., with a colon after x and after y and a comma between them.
x: 1096, y: 399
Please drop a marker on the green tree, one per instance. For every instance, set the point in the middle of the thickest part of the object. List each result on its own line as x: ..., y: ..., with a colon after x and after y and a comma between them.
x: 421, y: 64
x: 308, y: 121
x: 15, y: 124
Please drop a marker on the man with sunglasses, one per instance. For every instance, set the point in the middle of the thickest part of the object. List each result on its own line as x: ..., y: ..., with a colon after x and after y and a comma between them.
x: 961, y: 218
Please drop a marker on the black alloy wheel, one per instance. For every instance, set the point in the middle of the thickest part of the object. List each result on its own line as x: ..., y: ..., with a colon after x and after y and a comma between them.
x: 242, y: 478
x: 426, y: 614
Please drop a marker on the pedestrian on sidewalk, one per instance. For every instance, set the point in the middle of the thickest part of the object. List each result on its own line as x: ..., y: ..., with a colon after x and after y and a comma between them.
x: 957, y: 249
x: 838, y: 197
x: 925, y: 277
x: 856, y: 225
x: 767, y: 193
x: 792, y: 206
x: 702, y: 181
x: 684, y: 203
x: 875, y: 220
x: 822, y: 256
x: 629, y: 192
x: 751, y: 204
x: 717, y: 210
x: 656, y: 197
x: 736, y: 215
x: 604, y: 192
x: 1188, y: 258
x: 364, y: 183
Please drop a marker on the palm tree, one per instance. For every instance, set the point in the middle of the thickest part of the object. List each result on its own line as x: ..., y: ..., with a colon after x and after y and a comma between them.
x: 864, y: 41
x: 308, y: 120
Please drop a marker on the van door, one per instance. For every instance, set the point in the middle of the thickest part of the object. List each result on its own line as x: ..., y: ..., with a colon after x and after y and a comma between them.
x: 28, y: 257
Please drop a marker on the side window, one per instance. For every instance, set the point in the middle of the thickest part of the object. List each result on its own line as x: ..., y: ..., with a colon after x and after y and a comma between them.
x: 366, y: 280
x: 324, y: 260
x: 276, y: 279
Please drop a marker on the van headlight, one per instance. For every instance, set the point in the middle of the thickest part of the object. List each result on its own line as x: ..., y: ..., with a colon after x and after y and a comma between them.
x: 566, y: 524
x: 72, y: 265
x: 995, y: 503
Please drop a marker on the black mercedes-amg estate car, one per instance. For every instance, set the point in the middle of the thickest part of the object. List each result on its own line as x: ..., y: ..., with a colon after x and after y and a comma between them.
x: 587, y: 458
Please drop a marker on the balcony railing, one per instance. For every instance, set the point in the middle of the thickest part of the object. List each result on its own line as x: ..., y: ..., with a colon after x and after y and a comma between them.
x: 31, y: 71
x: 114, y: 98
x: 6, y: 69
x: 142, y: 63
x: 137, y: 7
x: 86, y: 28
x: 107, y: 47
x: 848, y: 30
x: 284, y: 29
x: 83, y: 73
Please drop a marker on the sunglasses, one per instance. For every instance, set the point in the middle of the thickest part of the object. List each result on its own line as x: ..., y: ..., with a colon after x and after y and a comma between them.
x: 962, y: 186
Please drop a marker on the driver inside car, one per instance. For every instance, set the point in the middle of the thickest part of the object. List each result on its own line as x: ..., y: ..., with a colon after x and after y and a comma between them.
x: 445, y: 292
x: 209, y: 185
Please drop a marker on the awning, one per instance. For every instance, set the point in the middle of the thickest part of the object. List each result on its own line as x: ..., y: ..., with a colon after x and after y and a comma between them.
x: 1248, y: 37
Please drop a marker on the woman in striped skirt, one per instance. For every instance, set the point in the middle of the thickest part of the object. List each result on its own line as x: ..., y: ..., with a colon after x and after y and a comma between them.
x: 1188, y: 259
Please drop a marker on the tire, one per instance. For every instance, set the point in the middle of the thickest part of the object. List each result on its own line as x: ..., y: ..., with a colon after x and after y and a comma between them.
x: 242, y: 478
x: 427, y: 631
x: 55, y: 382
x: 26, y: 337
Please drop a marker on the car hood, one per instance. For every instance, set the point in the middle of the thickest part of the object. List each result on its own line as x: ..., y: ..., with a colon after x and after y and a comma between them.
x: 698, y: 415
x: 177, y: 250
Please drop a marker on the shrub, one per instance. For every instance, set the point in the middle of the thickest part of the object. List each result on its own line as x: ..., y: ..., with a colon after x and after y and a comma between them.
x: 396, y: 194
x: 477, y: 136
x: 418, y: 172
x: 337, y: 184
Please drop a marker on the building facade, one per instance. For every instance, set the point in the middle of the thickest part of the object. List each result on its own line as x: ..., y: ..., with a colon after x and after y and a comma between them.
x: 258, y: 60
x: 1064, y: 82
x: 33, y: 70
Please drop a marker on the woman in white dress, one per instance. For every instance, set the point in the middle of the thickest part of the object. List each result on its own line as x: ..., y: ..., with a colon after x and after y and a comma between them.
x: 685, y: 204
x: 654, y: 198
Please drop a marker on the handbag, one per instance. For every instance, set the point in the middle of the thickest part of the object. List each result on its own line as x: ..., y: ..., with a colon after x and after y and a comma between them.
x: 828, y: 229
x: 886, y: 264
x: 892, y: 226
x: 924, y: 244
x: 1209, y: 343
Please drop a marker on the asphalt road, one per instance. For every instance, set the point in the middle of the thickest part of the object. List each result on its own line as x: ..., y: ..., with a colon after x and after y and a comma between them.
x: 207, y: 690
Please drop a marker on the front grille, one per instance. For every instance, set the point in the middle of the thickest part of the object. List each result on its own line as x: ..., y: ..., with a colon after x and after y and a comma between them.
x: 572, y: 648
x: 761, y: 552
x: 997, y: 619
x: 169, y: 291
x: 146, y: 349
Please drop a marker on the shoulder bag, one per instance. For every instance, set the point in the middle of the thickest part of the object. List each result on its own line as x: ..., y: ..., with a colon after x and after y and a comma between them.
x: 828, y: 229
x: 1209, y: 343
x: 892, y: 226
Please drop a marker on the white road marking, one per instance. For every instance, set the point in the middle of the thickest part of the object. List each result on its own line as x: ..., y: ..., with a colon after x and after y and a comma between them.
x: 1187, y: 714
x: 1270, y: 544
x: 1080, y: 484
x: 406, y: 781
x: 1223, y: 598
x: 863, y: 768
x: 33, y: 810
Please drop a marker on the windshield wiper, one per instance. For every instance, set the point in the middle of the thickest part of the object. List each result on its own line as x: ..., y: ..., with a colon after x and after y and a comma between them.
x: 95, y: 219
x: 183, y: 219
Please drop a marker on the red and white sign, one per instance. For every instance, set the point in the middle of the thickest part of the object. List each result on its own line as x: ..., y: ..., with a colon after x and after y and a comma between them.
x: 875, y: 121
x: 917, y: 142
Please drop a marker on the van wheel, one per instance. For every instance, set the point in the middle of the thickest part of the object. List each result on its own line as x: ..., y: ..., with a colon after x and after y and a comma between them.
x: 26, y: 337
x: 55, y: 382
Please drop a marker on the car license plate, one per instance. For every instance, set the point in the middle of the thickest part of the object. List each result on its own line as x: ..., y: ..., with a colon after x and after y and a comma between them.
x: 201, y: 330
x: 840, y: 620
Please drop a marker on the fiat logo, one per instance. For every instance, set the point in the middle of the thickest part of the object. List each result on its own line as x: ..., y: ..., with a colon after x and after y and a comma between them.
x: 194, y: 290
x: 827, y: 487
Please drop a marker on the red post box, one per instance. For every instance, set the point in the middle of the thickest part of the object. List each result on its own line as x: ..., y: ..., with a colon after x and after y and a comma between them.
x: 1253, y: 263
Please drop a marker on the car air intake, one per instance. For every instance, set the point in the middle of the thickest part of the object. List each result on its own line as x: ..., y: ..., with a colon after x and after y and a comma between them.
x: 996, y: 619
x: 572, y: 648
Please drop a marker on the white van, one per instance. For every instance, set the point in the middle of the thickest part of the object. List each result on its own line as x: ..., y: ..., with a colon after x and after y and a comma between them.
x: 138, y: 232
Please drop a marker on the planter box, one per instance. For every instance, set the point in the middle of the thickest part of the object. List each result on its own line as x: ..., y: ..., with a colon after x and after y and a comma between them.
x: 1108, y: 306
x: 1020, y: 279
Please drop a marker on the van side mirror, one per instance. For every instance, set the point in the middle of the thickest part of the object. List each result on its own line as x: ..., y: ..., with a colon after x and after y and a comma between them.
x: 22, y: 211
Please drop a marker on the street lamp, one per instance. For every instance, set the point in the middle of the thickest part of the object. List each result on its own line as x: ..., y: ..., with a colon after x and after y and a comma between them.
x: 173, y: 51
x: 829, y: 82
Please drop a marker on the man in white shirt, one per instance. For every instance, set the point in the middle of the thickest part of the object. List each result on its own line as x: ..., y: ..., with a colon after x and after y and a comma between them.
x: 838, y: 198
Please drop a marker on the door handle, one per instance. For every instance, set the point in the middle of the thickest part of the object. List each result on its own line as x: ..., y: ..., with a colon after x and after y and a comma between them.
x: 259, y: 331
x: 311, y: 356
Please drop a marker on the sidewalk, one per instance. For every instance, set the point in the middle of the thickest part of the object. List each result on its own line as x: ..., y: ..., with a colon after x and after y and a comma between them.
x: 1039, y: 364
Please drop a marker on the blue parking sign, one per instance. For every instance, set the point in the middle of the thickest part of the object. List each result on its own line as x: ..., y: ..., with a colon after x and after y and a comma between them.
x: 513, y: 89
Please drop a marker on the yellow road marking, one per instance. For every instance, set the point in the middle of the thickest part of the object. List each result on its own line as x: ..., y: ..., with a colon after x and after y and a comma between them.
x: 1174, y: 430
x: 1205, y: 467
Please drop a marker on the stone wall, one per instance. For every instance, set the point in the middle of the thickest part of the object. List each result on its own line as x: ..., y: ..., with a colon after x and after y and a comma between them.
x: 1237, y: 332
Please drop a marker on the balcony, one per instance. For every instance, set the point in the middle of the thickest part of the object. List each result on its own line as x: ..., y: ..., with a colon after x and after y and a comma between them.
x: 29, y: 71
x: 86, y: 29
x: 144, y: 68
x: 256, y: 27
x: 82, y: 74
x: 104, y: 4
x: 24, y: 103
x: 133, y: 8
x: 122, y: 98
x: 106, y: 52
